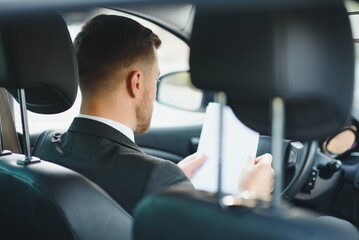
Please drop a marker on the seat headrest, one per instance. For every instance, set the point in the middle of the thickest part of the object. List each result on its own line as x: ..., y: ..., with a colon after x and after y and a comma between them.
x: 36, y: 54
x: 305, y: 56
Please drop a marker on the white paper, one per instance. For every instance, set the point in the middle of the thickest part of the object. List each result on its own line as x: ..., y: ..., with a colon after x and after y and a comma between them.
x: 239, y: 143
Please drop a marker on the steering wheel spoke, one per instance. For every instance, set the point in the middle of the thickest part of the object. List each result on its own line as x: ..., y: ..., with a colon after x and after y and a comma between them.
x: 298, y: 160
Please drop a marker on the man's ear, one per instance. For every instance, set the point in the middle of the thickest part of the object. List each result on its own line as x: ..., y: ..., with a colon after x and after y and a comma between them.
x: 134, y: 83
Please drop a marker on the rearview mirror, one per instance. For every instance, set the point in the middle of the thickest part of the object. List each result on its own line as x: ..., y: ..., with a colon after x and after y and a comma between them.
x: 176, y: 90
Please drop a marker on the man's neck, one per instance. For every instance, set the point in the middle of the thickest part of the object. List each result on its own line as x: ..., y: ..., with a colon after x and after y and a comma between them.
x: 114, y: 124
x: 108, y: 110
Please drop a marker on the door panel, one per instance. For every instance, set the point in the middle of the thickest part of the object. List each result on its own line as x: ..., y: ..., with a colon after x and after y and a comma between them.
x: 172, y: 143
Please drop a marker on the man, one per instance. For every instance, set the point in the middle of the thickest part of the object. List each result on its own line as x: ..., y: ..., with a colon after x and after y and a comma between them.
x: 118, y: 68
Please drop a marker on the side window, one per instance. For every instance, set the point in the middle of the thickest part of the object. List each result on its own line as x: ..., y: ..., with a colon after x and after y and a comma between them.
x: 353, y: 8
x: 173, y: 56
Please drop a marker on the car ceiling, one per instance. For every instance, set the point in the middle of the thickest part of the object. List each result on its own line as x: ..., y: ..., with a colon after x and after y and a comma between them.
x: 177, y: 18
x: 174, y: 15
x: 9, y: 6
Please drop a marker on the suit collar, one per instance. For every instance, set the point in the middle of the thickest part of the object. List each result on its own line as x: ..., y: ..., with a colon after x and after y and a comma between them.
x: 99, y: 129
x: 125, y: 130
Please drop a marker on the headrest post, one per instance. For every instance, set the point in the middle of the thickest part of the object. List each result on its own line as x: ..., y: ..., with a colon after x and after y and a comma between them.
x: 222, y: 100
x: 278, y: 122
x: 25, y: 131
x: 25, y: 125
x: 1, y: 140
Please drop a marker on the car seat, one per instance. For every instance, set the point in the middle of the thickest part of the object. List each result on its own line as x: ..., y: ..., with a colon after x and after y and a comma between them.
x: 38, y: 199
x: 303, y: 55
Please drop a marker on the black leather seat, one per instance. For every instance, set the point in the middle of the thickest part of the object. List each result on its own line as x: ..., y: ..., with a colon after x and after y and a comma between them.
x: 305, y: 56
x: 38, y: 199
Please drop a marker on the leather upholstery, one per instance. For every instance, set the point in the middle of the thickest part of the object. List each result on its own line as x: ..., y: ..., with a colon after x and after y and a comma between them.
x: 188, y: 214
x: 305, y: 56
x: 39, y: 57
x: 44, y: 200
x: 47, y: 201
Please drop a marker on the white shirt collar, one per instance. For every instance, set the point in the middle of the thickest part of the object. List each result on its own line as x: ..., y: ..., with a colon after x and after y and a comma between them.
x: 118, y: 126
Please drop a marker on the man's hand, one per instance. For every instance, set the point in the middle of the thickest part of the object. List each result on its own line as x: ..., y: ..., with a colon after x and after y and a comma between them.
x: 191, y: 163
x: 257, y: 178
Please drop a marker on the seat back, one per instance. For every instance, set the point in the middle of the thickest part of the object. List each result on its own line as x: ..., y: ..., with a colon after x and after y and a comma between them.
x: 41, y: 200
x: 48, y: 201
x: 303, y: 55
x: 179, y: 213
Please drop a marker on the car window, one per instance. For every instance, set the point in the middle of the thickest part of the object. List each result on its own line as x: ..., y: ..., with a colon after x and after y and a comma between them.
x: 353, y: 10
x: 173, y: 56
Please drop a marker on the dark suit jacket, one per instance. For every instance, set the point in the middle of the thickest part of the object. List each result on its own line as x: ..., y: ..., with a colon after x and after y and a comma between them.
x: 110, y: 159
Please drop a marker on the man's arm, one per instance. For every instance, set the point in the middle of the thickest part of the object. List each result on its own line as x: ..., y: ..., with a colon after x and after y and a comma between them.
x: 165, y: 174
x: 256, y: 180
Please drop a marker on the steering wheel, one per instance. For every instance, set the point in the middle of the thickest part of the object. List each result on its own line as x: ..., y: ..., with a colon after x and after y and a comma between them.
x: 298, y: 159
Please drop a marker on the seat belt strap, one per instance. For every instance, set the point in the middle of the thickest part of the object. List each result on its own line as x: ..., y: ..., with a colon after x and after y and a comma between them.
x: 10, y: 138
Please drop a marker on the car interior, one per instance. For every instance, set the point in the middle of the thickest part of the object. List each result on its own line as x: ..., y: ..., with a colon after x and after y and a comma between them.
x: 52, y: 200
x: 287, y: 70
x: 207, y: 67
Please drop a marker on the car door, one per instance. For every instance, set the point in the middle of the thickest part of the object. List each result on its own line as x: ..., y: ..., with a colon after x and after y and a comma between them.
x: 171, y: 143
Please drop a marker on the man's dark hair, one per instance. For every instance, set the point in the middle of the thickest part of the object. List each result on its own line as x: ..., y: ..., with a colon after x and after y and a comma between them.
x: 107, y: 43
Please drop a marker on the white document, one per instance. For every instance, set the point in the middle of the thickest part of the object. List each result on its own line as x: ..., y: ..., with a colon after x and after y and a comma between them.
x: 239, y: 143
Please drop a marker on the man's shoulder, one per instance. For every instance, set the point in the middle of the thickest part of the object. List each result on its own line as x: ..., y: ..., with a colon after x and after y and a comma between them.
x: 164, y: 174
x: 46, y: 137
x: 143, y: 160
x: 113, y: 155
